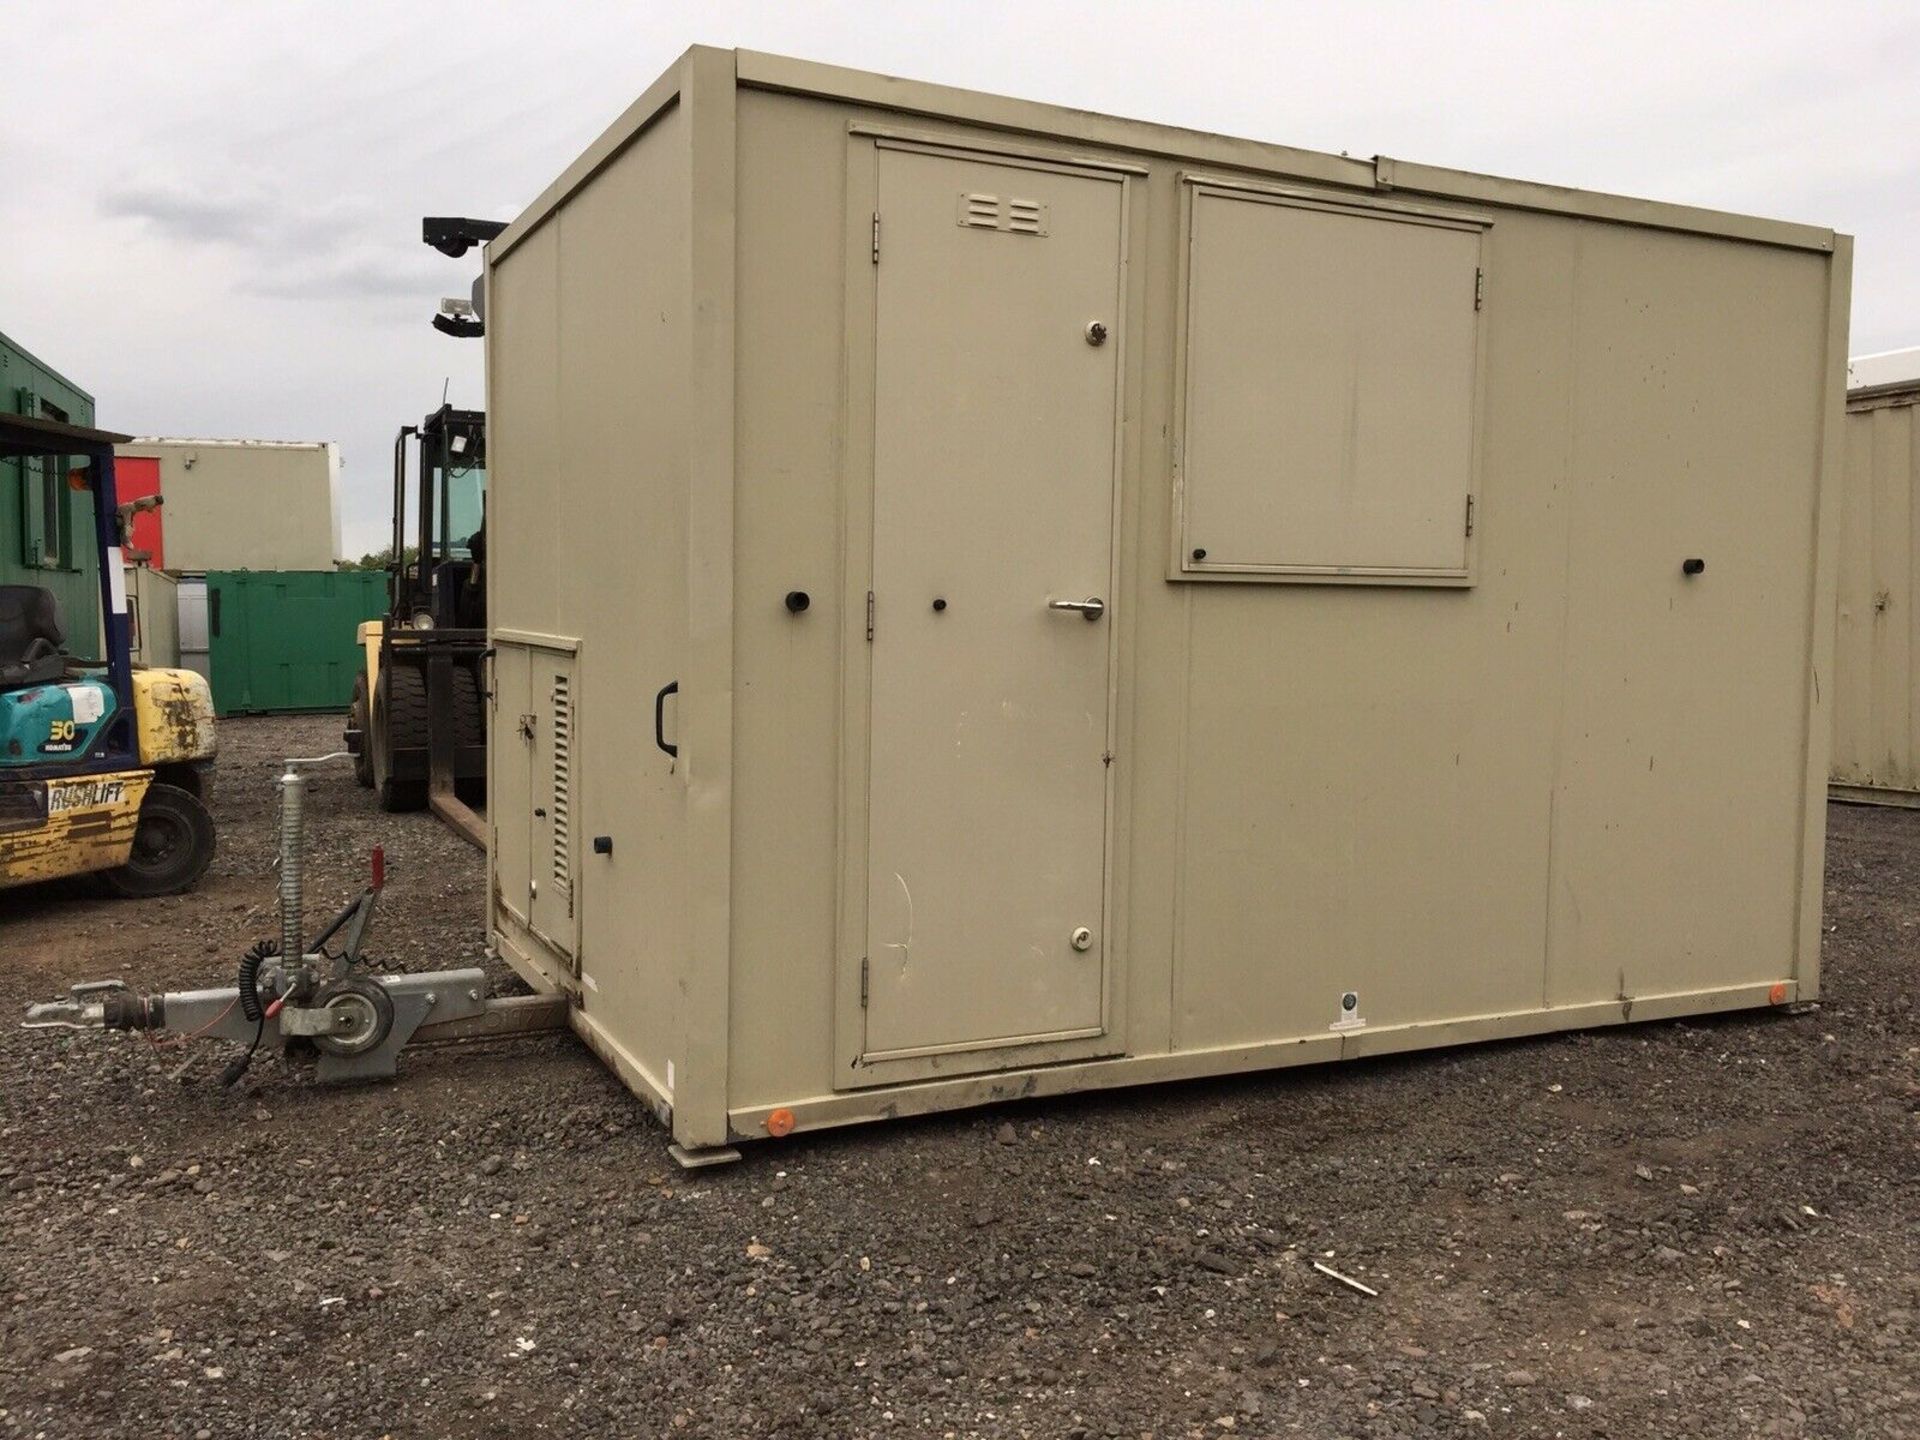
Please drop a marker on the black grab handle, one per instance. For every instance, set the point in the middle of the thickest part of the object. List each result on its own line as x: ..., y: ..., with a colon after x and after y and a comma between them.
x: 672, y: 687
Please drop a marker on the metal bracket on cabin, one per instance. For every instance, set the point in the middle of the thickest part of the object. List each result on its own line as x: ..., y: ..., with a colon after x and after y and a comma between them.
x: 455, y: 235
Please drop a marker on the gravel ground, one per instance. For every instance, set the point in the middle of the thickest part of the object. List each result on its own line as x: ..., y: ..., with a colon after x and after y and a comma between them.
x: 1675, y: 1229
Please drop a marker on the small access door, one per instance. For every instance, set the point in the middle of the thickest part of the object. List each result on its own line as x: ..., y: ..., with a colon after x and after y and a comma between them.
x: 995, y: 382
x: 532, y: 801
x: 553, y: 802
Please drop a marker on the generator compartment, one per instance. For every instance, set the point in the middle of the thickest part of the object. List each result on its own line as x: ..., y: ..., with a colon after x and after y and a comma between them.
x: 992, y: 600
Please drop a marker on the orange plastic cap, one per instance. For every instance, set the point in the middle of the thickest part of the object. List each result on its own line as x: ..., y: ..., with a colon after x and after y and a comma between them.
x: 780, y: 1123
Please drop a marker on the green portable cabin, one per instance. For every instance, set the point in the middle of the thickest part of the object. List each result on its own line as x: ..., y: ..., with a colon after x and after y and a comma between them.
x: 46, y: 526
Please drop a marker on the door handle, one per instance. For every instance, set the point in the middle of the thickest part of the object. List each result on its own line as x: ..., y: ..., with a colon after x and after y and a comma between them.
x: 660, y: 717
x: 1093, y: 607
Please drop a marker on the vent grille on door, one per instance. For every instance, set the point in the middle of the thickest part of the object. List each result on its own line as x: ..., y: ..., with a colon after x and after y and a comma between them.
x: 562, y: 804
x: 1005, y: 213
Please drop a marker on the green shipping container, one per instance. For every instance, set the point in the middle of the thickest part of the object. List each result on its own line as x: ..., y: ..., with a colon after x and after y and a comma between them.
x: 285, y: 639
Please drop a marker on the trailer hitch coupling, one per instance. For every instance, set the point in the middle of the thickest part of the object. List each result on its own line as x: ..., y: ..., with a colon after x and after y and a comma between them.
x: 300, y: 994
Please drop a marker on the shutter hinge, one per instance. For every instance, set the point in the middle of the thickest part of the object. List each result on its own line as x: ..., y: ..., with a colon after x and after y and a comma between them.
x: 869, y: 615
x: 863, y: 982
x: 1469, y: 514
x: 1479, y: 275
x: 876, y: 237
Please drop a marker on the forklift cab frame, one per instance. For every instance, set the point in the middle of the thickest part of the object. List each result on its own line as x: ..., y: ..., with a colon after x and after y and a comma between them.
x: 437, y: 584
x: 25, y: 437
x: 426, y: 700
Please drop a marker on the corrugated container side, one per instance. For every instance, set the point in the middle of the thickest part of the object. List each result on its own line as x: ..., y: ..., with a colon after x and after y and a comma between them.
x: 286, y: 640
x: 1876, y: 755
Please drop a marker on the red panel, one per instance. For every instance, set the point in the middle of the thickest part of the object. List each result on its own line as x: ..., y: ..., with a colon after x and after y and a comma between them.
x: 136, y: 478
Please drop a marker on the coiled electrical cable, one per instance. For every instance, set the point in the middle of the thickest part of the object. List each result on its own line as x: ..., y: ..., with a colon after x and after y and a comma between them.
x: 250, y: 963
x: 258, y: 954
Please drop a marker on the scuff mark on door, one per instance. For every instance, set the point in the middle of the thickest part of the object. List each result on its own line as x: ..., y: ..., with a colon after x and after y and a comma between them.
x: 905, y: 947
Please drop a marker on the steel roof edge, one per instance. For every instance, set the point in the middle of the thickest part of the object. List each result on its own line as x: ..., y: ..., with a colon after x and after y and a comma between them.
x: 654, y: 102
x: 1884, y: 396
x: 759, y: 70
x: 1598, y: 205
x: 25, y: 354
x: 806, y: 77
x: 145, y: 441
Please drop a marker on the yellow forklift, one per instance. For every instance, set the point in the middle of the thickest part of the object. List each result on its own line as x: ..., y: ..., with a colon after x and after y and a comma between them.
x: 103, y: 767
x: 417, y: 718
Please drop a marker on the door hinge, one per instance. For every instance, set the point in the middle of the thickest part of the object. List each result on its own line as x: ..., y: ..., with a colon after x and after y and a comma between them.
x: 869, y: 615
x: 876, y: 237
x: 863, y: 982
x: 1469, y: 515
x: 1479, y: 276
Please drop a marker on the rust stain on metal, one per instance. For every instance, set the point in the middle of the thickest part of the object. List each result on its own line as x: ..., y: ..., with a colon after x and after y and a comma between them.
x: 183, y: 724
x: 78, y: 847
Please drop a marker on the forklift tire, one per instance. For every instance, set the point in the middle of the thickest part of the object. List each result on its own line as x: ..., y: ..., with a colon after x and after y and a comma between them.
x: 469, y: 707
x: 470, y: 728
x: 358, y: 718
x: 172, y: 846
x: 399, y: 720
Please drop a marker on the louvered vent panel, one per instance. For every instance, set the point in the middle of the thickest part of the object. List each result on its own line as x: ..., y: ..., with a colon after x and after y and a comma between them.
x: 980, y: 210
x: 562, y: 805
x: 1026, y: 217
x: 1007, y: 214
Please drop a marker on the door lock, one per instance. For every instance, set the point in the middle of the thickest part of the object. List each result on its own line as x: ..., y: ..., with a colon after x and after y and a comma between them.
x: 1082, y: 938
x: 1093, y: 607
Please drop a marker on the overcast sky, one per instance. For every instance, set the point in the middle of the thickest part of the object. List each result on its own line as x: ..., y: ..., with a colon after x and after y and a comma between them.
x: 210, y: 213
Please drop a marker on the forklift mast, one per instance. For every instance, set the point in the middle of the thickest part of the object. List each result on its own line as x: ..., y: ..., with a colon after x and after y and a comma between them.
x: 418, y: 718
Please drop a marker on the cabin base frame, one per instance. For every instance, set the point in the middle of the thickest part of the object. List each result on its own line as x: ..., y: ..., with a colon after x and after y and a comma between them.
x: 1788, y: 997
x: 1874, y: 795
x: 855, y: 1107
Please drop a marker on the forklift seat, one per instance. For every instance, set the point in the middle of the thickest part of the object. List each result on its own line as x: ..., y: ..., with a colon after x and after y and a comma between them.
x: 30, y: 638
x: 458, y: 599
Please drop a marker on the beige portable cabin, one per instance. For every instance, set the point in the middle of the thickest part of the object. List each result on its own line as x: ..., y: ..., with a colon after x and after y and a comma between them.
x: 153, y: 616
x: 994, y: 600
x: 246, y: 504
x: 1876, y: 720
